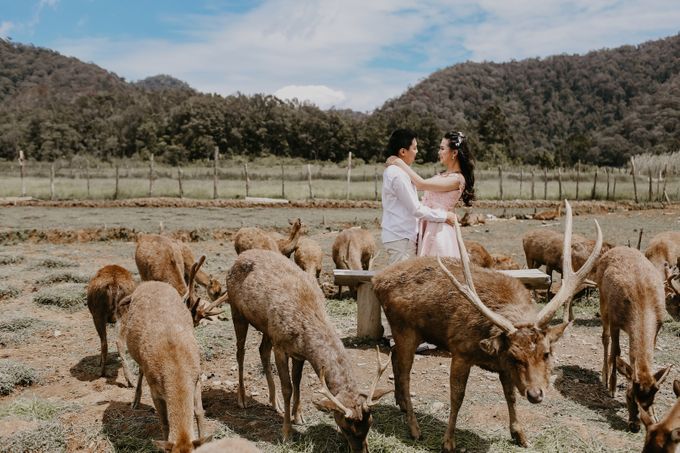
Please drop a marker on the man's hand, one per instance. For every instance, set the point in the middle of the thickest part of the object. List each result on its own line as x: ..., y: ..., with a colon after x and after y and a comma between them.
x: 451, y: 218
x: 392, y: 160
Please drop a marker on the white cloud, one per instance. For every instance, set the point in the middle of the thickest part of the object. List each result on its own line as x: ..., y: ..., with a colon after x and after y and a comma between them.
x: 356, y: 47
x: 320, y: 95
x: 5, y: 27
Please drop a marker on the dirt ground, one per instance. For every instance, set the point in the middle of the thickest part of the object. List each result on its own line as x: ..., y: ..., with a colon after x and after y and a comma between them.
x: 70, y: 408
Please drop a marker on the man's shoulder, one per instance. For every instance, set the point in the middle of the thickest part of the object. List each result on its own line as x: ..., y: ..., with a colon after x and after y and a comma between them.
x: 394, y: 172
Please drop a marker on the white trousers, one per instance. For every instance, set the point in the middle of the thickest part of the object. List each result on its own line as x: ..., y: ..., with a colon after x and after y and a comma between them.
x: 400, y: 250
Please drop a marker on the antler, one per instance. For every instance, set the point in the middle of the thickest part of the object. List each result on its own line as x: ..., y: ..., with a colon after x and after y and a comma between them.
x: 381, y: 369
x: 189, y: 296
x: 210, y: 309
x: 570, y: 280
x: 325, y: 391
x: 469, y: 291
x: 672, y: 278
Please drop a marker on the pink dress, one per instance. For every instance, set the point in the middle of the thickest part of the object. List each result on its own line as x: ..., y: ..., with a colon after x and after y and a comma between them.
x: 439, y: 238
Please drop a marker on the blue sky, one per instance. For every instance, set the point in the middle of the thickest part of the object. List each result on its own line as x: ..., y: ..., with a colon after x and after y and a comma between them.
x: 343, y: 53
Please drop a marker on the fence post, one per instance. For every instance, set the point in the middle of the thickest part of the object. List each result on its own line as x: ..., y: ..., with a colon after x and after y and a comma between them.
x: 179, y: 181
x: 545, y: 183
x: 115, y: 193
x: 533, y: 181
x: 608, y: 174
x: 283, y: 184
x: 665, y: 178
x: 593, y: 192
x: 500, y: 181
x: 521, y: 179
x: 614, y: 189
x: 22, y: 162
x: 559, y: 183
x: 349, y: 172
x: 578, y: 176
x: 375, y: 183
x: 245, y: 171
x: 52, y: 181
x: 632, y: 164
x: 216, y: 155
x: 649, y: 197
x: 309, y: 181
x: 151, y: 174
x: 87, y: 175
x: 658, y: 184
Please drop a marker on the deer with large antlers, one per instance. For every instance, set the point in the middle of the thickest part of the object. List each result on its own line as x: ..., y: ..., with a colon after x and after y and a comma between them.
x: 272, y: 294
x: 664, y: 436
x: 491, y: 323
x: 631, y: 300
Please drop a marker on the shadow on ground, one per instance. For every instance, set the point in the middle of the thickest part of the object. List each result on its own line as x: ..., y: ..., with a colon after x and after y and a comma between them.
x: 88, y: 369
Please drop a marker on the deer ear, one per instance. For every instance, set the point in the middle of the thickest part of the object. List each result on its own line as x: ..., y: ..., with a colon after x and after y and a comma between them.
x: 661, y: 375
x: 676, y: 388
x: 164, y: 445
x: 555, y: 333
x: 623, y: 368
x: 491, y: 346
x: 645, y: 418
x: 324, y: 405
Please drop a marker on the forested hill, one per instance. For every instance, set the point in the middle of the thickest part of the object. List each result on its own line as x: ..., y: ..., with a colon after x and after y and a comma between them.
x: 597, y: 108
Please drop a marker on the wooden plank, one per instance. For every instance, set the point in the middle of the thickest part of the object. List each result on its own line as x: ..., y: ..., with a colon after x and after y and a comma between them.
x: 345, y: 277
x: 368, y: 313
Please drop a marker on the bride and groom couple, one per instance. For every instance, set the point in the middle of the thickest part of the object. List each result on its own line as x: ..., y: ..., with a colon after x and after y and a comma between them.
x: 413, y: 228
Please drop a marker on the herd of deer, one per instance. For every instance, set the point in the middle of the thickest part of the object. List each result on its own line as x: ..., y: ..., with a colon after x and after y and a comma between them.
x: 489, y: 321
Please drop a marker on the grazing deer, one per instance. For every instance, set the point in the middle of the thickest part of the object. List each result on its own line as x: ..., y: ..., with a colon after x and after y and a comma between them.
x: 158, y: 330
x: 254, y: 238
x: 309, y: 256
x: 632, y: 300
x: 272, y: 294
x: 664, y: 436
x: 106, y: 289
x: 663, y: 248
x: 491, y: 323
x: 354, y: 248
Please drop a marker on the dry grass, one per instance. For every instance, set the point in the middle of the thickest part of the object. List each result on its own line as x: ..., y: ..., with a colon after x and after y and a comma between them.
x: 67, y: 296
x: 20, y: 330
x: 13, y: 374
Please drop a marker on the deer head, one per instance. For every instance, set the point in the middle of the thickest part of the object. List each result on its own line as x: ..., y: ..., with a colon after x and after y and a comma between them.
x: 354, y: 421
x: 642, y: 389
x: 181, y: 446
x: 200, y: 309
x: 663, y: 436
x: 524, y: 351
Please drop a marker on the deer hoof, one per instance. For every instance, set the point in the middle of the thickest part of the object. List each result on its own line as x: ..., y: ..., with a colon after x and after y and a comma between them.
x: 415, y: 432
x: 520, y: 439
x: 298, y: 419
x: 449, y: 446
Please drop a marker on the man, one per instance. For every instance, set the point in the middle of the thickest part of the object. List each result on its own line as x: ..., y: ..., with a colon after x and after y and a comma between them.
x: 401, y: 208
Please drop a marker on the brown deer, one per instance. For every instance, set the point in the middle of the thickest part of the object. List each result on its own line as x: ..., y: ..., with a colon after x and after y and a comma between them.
x: 272, y: 294
x: 254, y: 238
x: 158, y: 330
x: 491, y: 323
x: 663, y: 248
x: 481, y: 257
x: 229, y: 445
x: 551, y: 214
x: 664, y: 436
x: 470, y: 219
x: 106, y: 289
x: 631, y: 299
x: 163, y: 259
x: 672, y: 290
x: 354, y: 248
x: 309, y: 256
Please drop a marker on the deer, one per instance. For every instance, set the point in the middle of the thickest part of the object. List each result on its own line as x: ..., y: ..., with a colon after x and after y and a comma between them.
x: 490, y: 322
x: 663, y: 248
x: 272, y: 294
x: 158, y: 330
x: 672, y: 289
x: 664, y: 436
x: 354, y: 248
x: 230, y: 445
x: 254, y: 238
x: 631, y: 300
x: 309, y: 257
x: 163, y: 259
x: 106, y: 289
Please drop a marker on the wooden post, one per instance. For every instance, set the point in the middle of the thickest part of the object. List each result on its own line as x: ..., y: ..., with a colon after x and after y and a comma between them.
x: 594, y: 191
x: 640, y: 238
x: 658, y: 184
x: 608, y: 174
x: 349, y: 172
x: 649, y: 197
x: 22, y: 162
x: 179, y: 181
x: 87, y: 175
x: 283, y: 183
x: 578, y: 176
x: 533, y: 181
x: 245, y: 172
x: 216, y: 155
x: 309, y: 181
x: 500, y: 181
x: 151, y: 175
x: 665, y: 178
x: 545, y: 183
x: 115, y: 193
x: 52, y: 181
x: 614, y: 189
x: 521, y: 179
x: 559, y: 184
x: 375, y: 183
x: 368, y: 312
x: 632, y: 165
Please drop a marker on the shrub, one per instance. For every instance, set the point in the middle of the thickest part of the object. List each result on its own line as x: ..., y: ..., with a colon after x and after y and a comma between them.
x: 45, y: 437
x: 10, y: 259
x: 35, y: 408
x: 19, y: 330
x: 68, y: 296
x: 53, y: 263
x: 63, y: 277
x: 8, y: 292
x: 14, y: 373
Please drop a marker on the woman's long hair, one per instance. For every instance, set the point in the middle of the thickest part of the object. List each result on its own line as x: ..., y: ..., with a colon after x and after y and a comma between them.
x: 458, y: 142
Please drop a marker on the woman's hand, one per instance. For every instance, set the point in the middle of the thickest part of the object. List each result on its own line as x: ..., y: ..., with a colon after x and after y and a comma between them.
x: 392, y: 160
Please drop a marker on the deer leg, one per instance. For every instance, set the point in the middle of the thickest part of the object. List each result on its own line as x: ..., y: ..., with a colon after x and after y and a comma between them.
x: 605, y: 343
x: 241, y: 329
x: 404, y: 352
x: 549, y: 271
x: 297, y: 378
x: 120, y: 344
x: 265, y: 358
x: 615, y: 352
x: 460, y: 370
x: 100, y: 326
x: 516, y: 430
x: 199, y: 413
x: 281, y: 359
x: 138, y: 390
x: 162, y: 410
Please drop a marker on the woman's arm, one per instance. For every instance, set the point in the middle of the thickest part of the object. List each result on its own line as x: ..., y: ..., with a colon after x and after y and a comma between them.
x: 431, y: 184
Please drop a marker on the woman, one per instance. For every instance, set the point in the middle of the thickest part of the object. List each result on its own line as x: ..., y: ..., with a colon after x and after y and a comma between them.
x: 443, y: 191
